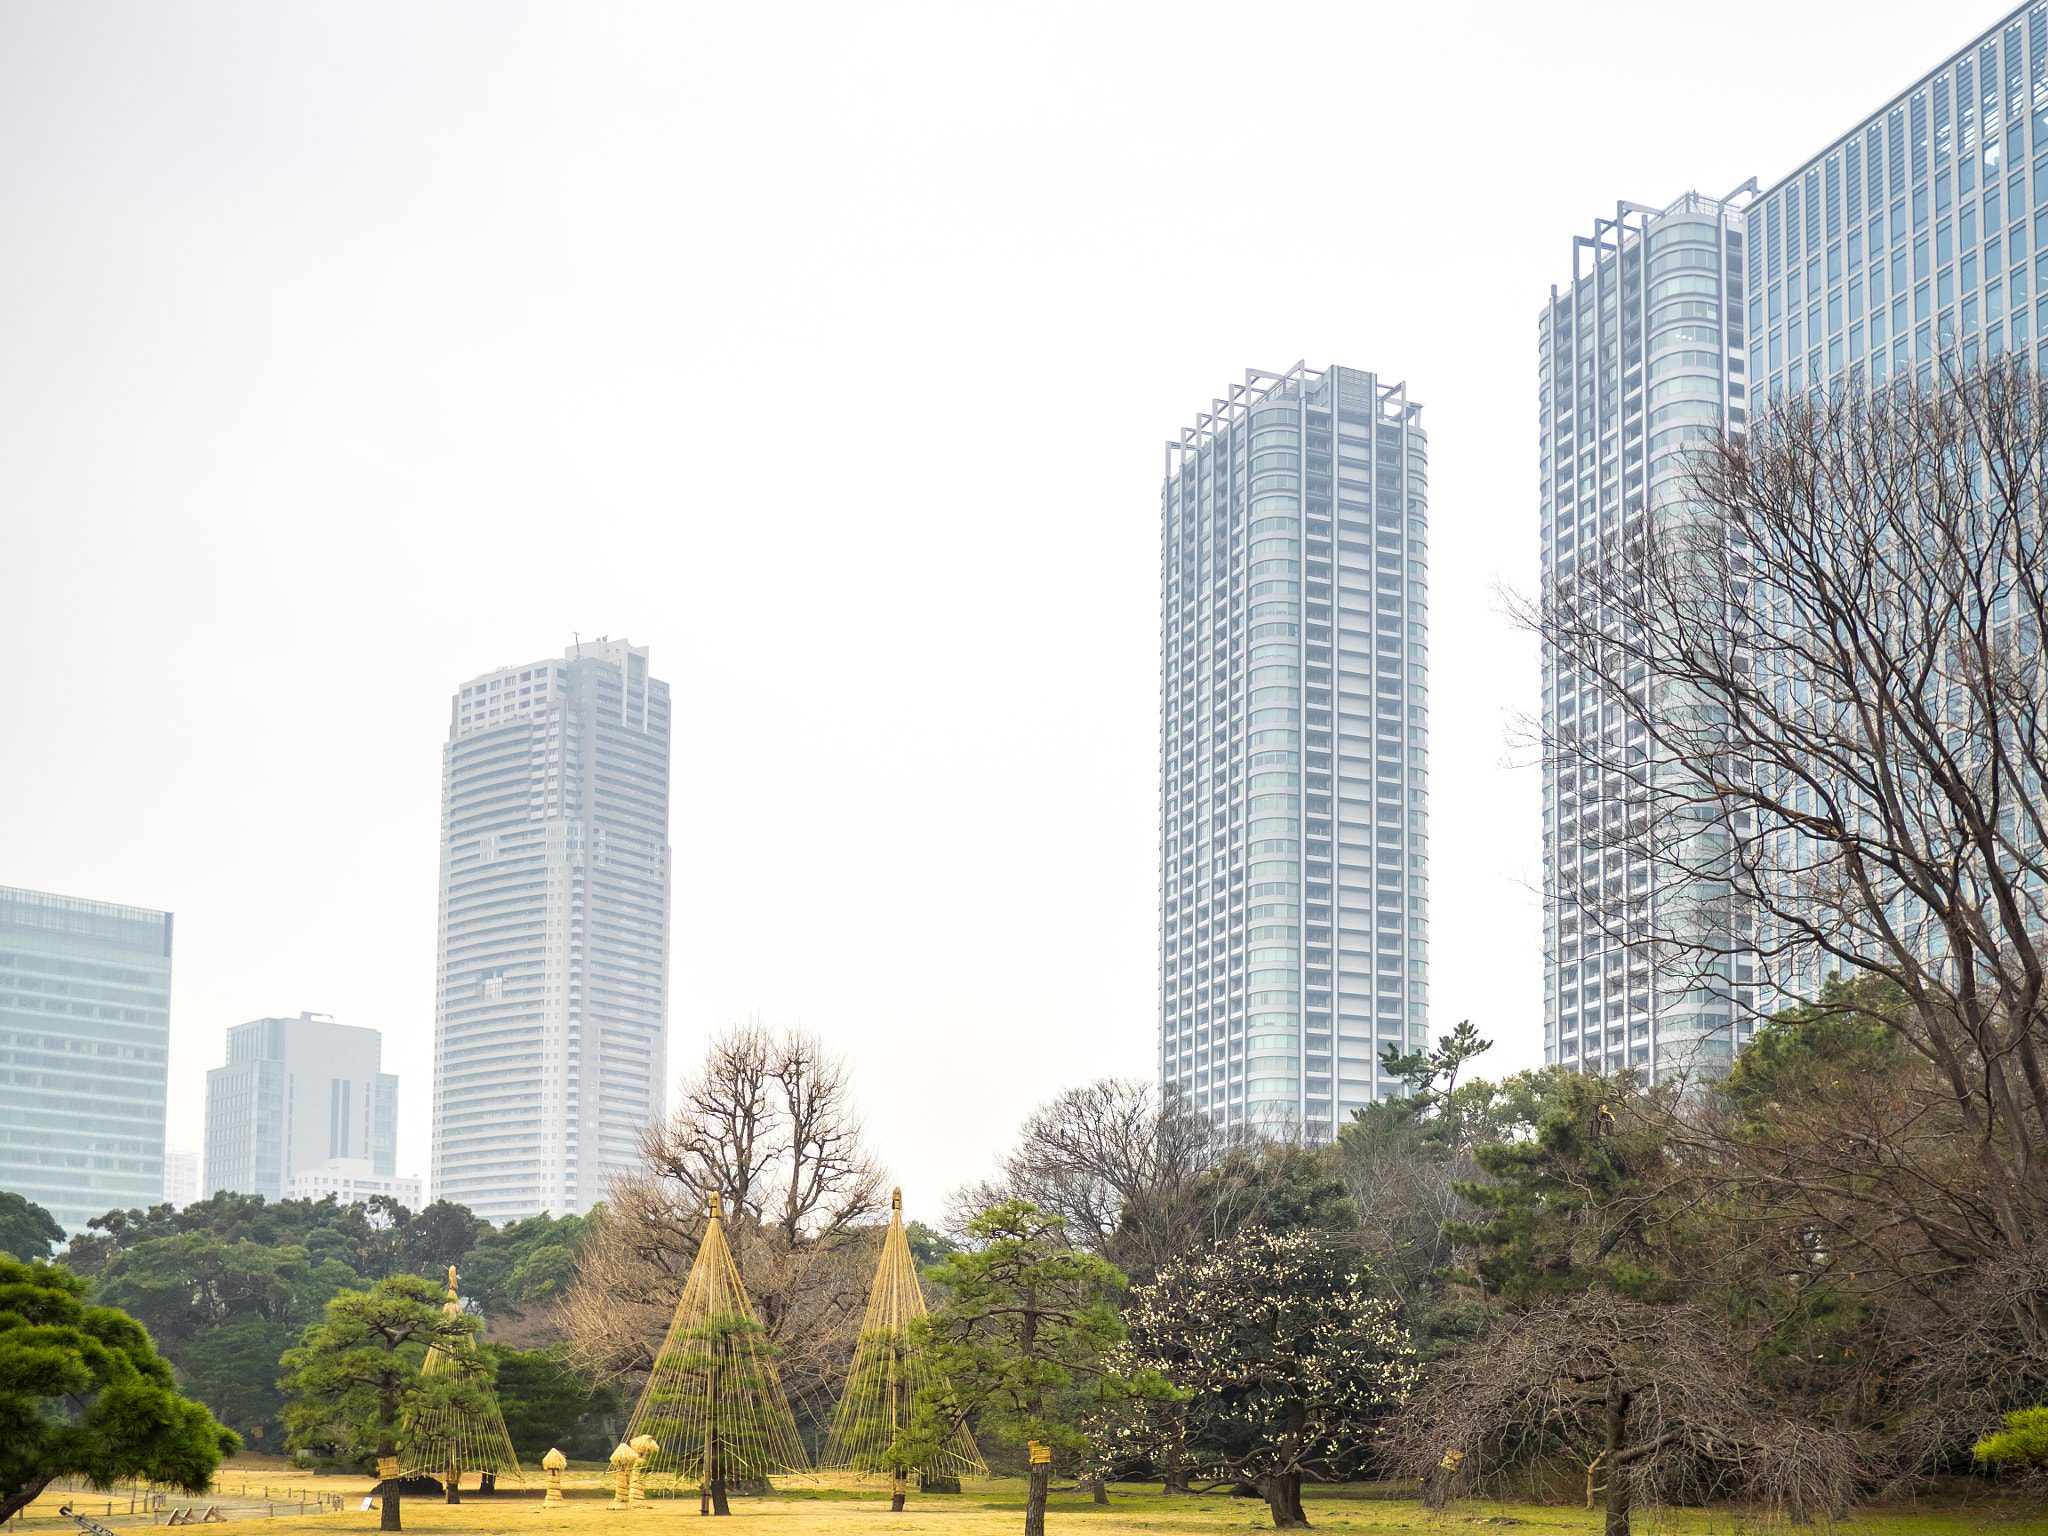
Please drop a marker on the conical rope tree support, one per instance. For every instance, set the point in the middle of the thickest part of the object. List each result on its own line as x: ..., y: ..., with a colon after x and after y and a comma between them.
x: 888, y: 1372
x: 714, y: 1403
x: 444, y: 1440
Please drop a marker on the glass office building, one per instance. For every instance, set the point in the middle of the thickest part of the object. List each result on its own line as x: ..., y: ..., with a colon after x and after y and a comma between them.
x: 1902, y: 251
x: 1907, y: 251
x: 551, y: 1008
x: 294, y: 1095
x: 1294, y: 747
x: 1908, y: 246
x: 85, y: 1022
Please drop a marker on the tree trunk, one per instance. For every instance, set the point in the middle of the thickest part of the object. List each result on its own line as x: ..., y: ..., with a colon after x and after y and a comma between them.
x: 1034, y: 1500
x: 454, y: 1486
x: 718, y: 1504
x: 1617, y: 1471
x: 896, y: 1493
x: 387, y: 1446
x: 26, y: 1495
x: 1102, y: 1489
x: 1041, y: 1471
x: 1282, y: 1493
x: 1175, y: 1478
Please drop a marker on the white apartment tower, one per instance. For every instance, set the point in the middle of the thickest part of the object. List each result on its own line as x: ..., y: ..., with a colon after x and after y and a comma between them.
x: 1639, y: 363
x: 1294, y: 748
x: 551, y: 989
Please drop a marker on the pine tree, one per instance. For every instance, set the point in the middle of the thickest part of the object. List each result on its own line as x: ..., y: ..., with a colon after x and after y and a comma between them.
x: 889, y: 1371
x: 358, y: 1376
x: 713, y: 1402
x: 1021, y: 1341
x: 446, y: 1437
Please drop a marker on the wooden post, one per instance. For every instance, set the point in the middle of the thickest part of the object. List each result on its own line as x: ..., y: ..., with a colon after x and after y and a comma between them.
x: 896, y: 1396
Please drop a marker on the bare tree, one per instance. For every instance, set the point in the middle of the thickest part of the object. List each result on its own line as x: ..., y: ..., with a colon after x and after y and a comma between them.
x: 768, y: 1125
x: 1648, y: 1398
x: 1964, y: 1367
x: 1136, y: 1178
x: 1826, y: 728
x: 1403, y: 1160
x: 1087, y: 1153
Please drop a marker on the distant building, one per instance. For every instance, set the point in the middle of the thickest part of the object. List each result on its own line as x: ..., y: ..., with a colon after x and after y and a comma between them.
x: 1294, y: 748
x: 181, y: 1177
x: 554, y: 931
x: 350, y: 1179
x: 1893, y: 255
x: 85, y: 1022
x: 295, y: 1094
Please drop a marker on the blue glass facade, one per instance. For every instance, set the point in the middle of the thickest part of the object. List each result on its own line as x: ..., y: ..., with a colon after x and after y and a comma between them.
x: 1906, y: 250
x: 85, y: 997
x: 1913, y: 243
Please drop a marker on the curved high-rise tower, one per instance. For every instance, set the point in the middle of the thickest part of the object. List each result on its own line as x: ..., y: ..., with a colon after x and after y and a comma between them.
x: 1294, y: 748
x: 551, y: 1005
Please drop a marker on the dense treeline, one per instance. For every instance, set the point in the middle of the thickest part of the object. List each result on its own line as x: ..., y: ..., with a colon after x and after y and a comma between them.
x: 234, y: 1281
x: 1787, y: 1287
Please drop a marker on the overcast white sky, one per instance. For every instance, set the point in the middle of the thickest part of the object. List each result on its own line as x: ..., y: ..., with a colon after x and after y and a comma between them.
x: 348, y: 350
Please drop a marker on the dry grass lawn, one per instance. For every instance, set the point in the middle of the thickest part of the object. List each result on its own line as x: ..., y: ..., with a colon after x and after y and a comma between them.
x: 826, y: 1507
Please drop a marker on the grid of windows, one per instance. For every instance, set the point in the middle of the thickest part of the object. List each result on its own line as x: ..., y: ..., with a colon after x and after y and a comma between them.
x: 550, y: 1049
x: 1294, y: 747
x: 1639, y: 360
x: 85, y: 998
x: 1927, y: 251
x: 1936, y: 266
x: 293, y: 1094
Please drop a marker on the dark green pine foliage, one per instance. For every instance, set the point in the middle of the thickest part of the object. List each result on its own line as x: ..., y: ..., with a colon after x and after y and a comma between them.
x: 546, y: 1404
x: 1421, y: 1069
x: 1584, y: 1203
x: 235, y: 1278
x: 83, y: 1393
x: 1020, y: 1345
x: 1806, y: 1047
x: 27, y: 1231
x: 719, y: 1386
x: 357, y: 1380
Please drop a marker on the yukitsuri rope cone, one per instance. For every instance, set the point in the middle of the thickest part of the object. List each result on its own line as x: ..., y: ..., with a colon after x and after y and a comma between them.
x: 714, y: 1400
x: 446, y: 1442
x: 888, y: 1372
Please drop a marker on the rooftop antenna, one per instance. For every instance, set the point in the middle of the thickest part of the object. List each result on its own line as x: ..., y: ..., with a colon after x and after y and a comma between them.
x: 579, y: 643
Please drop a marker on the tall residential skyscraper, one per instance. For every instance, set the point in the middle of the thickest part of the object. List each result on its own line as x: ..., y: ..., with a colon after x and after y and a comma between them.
x: 551, y: 1005
x: 1639, y: 359
x: 85, y: 1024
x: 295, y: 1095
x: 1294, y: 747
